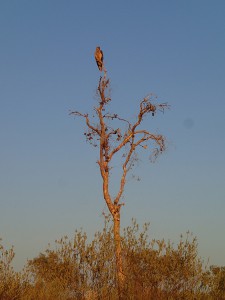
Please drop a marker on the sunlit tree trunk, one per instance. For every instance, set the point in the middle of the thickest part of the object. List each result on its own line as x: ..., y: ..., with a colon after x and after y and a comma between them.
x: 118, y: 253
x: 115, y: 212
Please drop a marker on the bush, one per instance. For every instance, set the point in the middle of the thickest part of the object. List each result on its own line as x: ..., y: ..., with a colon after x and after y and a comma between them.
x: 78, y: 269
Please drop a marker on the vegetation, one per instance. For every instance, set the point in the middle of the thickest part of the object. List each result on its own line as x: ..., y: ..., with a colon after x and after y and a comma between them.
x: 78, y: 269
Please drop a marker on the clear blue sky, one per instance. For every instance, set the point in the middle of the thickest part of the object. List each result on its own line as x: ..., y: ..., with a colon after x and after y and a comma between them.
x: 49, y: 180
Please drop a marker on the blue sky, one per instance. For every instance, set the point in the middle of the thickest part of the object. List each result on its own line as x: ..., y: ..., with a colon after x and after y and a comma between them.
x: 49, y: 181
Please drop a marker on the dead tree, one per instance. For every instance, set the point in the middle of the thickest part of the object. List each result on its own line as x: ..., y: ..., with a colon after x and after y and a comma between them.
x: 127, y: 139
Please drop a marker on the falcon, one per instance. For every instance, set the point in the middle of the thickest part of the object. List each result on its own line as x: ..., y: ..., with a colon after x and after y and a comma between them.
x: 99, y: 58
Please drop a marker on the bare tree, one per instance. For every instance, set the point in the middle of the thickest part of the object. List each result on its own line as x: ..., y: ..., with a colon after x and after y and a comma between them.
x: 103, y: 132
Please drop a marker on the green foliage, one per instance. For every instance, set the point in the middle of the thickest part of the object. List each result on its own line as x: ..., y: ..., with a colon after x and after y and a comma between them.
x: 78, y: 269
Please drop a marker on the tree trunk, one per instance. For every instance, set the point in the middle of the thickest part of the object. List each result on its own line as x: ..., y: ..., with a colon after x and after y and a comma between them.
x: 118, y: 252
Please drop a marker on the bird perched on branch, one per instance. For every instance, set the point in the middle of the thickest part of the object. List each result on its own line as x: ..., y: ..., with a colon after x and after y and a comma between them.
x: 99, y: 58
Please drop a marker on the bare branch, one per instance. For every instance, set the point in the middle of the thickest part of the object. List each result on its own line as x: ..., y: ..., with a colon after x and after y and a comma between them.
x: 123, y: 178
x: 115, y: 116
x: 77, y: 113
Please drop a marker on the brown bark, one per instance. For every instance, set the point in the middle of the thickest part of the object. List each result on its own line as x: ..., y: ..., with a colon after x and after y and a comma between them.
x: 118, y: 253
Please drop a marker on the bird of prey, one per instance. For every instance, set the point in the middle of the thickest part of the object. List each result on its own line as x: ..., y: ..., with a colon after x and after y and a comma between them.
x: 99, y: 58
